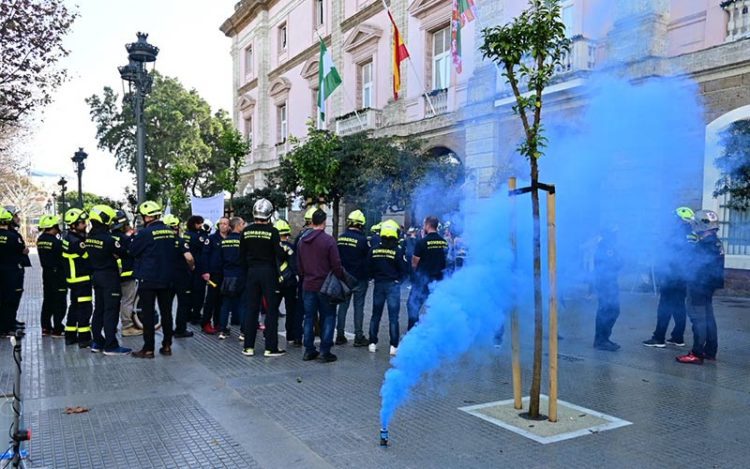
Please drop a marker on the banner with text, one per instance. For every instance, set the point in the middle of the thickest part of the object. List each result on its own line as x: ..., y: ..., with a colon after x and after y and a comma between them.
x: 210, y: 208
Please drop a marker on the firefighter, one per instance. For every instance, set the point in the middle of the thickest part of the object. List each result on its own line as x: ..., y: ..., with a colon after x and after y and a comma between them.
x: 78, y: 323
x: 607, y: 266
x: 13, y: 259
x: 353, y: 250
x: 197, y: 239
x: 706, y: 263
x: 124, y: 233
x: 233, y: 277
x: 211, y: 274
x: 181, y: 279
x: 261, y: 250
x: 387, y: 267
x: 154, y: 249
x: 428, y: 262
x: 289, y: 283
x: 49, y: 247
x: 104, y: 250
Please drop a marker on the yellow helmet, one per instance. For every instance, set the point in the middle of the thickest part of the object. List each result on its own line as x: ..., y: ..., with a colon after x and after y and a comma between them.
x: 74, y: 215
x: 171, y: 221
x: 309, y: 213
x: 376, y: 228
x: 686, y: 214
x: 103, y: 214
x: 282, y: 226
x: 356, y: 218
x: 48, y: 221
x: 388, y: 231
x: 149, y: 208
x: 5, y: 215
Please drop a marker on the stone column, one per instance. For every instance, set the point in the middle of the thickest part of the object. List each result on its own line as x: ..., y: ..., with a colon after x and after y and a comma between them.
x: 639, y: 31
x: 265, y: 145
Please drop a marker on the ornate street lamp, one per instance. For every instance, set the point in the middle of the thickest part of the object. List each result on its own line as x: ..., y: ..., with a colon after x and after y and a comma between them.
x: 78, y: 158
x: 63, y: 187
x: 139, y: 85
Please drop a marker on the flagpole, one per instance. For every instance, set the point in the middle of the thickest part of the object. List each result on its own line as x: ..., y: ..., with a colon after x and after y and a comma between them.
x: 414, y: 69
x: 343, y: 88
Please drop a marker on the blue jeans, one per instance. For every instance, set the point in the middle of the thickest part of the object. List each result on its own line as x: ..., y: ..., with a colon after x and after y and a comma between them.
x: 234, y: 305
x: 358, y: 293
x: 417, y: 296
x: 390, y: 292
x: 316, y: 302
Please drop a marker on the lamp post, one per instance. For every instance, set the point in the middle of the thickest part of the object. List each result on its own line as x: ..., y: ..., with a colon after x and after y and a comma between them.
x: 54, y: 203
x: 78, y: 158
x: 63, y: 187
x: 139, y: 85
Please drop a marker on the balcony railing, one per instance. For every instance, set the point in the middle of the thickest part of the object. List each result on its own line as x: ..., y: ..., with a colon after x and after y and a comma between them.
x: 581, y: 57
x: 365, y: 119
x: 439, y: 99
x: 738, y: 26
x: 281, y: 149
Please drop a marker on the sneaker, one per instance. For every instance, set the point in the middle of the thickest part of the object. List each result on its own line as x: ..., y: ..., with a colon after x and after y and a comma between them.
x: 261, y: 327
x: 166, y: 350
x: 654, y: 343
x: 46, y: 333
x: 116, y: 351
x: 274, y: 353
x: 310, y: 355
x: 56, y: 335
x: 690, y: 359
x: 131, y: 331
x: 614, y: 344
x: 360, y: 342
x: 248, y: 352
x: 143, y: 354
x: 241, y: 337
x: 607, y: 346
x: 95, y: 348
x: 209, y: 329
x: 341, y: 340
x: 84, y: 344
x: 183, y: 334
x: 223, y: 335
x: 328, y: 358
x: 677, y: 343
x: 296, y: 343
x: 393, y: 351
x: 372, y: 348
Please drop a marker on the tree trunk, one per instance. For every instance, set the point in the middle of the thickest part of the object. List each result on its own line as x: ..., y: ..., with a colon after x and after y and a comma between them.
x: 336, y: 201
x: 536, y: 378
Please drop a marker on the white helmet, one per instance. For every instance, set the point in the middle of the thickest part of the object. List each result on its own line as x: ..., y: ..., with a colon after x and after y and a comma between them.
x: 262, y: 209
x: 706, y: 220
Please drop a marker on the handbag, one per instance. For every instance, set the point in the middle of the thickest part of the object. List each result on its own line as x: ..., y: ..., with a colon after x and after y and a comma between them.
x: 338, y: 291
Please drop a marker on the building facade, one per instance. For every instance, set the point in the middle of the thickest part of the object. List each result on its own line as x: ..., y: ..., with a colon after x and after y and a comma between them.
x: 275, y: 46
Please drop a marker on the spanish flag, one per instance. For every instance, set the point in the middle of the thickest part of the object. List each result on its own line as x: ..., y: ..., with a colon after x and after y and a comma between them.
x: 400, y: 53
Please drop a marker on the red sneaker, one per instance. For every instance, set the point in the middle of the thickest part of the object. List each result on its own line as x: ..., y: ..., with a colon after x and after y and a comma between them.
x: 690, y: 358
x: 209, y: 329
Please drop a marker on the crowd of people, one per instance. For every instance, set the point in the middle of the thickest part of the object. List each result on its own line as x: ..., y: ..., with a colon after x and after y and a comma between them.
x: 238, y: 273
x: 108, y: 276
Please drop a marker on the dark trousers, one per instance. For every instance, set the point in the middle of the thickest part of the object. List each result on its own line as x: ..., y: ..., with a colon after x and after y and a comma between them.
x: 705, y: 334
x: 148, y: 296
x: 607, y: 312
x: 197, y: 296
x: 262, y: 282
x: 11, y: 290
x: 358, y: 298
x: 292, y: 323
x: 234, y: 305
x: 417, y: 296
x: 671, y: 305
x: 299, y: 316
x: 107, y: 294
x: 78, y: 323
x: 54, y: 302
x: 385, y: 292
x: 318, y: 303
x: 212, y: 305
x: 181, y: 289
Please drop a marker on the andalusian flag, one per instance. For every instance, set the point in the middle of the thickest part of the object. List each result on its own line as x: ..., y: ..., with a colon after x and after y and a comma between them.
x: 400, y: 53
x: 464, y: 11
x: 328, y: 79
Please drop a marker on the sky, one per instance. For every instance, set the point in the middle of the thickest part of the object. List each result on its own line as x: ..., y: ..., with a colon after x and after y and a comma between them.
x: 191, y: 48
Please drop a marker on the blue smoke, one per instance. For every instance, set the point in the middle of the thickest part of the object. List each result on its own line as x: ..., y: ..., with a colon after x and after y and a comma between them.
x: 627, y: 157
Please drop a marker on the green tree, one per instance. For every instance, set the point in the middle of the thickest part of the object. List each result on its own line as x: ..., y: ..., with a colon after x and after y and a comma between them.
x: 189, y: 150
x: 243, y: 206
x: 528, y: 48
x: 89, y: 200
x: 734, y: 164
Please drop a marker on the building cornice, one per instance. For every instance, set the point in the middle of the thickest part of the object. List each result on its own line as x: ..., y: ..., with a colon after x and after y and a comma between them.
x: 361, y: 16
x: 244, y: 12
x: 298, y: 59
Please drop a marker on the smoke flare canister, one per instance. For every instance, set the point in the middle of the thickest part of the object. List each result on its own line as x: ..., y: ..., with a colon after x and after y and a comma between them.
x: 383, y: 437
